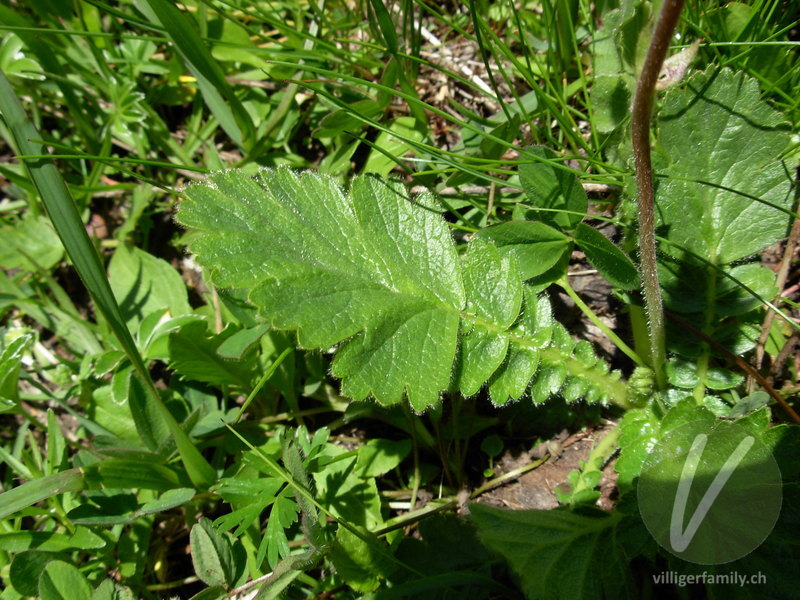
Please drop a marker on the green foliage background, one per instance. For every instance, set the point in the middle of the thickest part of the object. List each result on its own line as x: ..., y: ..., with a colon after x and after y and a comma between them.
x: 326, y: 300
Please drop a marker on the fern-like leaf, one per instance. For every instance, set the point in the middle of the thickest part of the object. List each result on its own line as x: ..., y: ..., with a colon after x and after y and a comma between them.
x: 378, y: 274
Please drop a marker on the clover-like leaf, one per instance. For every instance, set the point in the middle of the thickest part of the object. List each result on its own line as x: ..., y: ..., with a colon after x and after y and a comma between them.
x: 610, y: 261
x: 212, y: 554
x: 376, y: 275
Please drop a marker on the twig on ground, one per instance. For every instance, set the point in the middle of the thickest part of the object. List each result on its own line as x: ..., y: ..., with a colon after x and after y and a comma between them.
x: 591, y: 188
x: 740, y: 362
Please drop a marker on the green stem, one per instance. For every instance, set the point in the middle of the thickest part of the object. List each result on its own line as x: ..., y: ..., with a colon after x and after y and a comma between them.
x: 627, y: 350
x: 640, y: 128
x: 417, y: 477
x: 264, y: 378
x: 638, y: 320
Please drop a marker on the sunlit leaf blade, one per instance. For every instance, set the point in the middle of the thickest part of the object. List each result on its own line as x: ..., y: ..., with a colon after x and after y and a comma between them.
x: 47, y: 541
x: 641, y: 428
x: 386, y: 25
x: 716, y: 132
x: 361, y: 563
x: 212, y: 556
x: 536, y: 246
x: 126, y: 473
x: 194, y: 355
x: 10, y: 367
x: 66, y: 220
x: 332, y: 266
x: 618, y: 49
x: 30, y: 243
x: 494, y: 294
x: 531, y: 334
x: 145, y: 284
x: 378, y: 274
x: 63, y: 581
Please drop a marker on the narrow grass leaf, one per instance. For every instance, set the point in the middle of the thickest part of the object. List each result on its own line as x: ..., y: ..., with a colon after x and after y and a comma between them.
x: 48, y: 541
x: 125, y: 473
x: 10, y: 366
x: 167, y: 500
x: 386, y: 25
x: 36, y: 490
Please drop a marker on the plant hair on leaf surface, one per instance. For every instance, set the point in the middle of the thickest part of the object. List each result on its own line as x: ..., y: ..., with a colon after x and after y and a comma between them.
x: 378, y: 275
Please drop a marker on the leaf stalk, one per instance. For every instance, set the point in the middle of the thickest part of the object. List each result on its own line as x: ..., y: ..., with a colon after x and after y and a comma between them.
x: 615, y: 339
x: 640, y: 129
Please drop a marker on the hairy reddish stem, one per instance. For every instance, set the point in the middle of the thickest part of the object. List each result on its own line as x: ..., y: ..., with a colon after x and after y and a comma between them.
x: 640, y: 126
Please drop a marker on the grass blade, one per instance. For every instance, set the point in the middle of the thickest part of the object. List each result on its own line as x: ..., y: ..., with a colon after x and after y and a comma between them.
x: 216, y: 91
x: 70, y: 229
x: 36, y: 490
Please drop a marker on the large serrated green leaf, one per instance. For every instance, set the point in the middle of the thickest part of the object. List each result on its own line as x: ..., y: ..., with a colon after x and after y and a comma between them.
x: 379, y: 275
x: 720, y: 144
x: 332, y: 266
x: 558, y: 553
x: 641, y: 428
